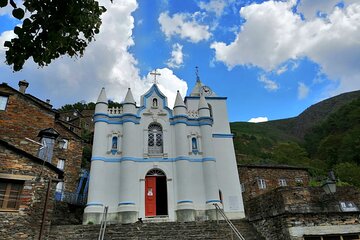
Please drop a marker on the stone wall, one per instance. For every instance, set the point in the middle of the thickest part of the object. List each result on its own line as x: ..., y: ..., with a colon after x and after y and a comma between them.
x: 67, y: 214
x: 72, y: 156
x: 25, y: 222
x: 23, y: 118
x: 290, y: 212
x: 249, y: 175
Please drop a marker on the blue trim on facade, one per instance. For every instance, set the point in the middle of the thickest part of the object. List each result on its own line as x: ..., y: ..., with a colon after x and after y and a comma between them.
x: 126, y: 203
x: 133, y: 159
x: 116, y: 122
x: 123, y: 103
x: 209, y: 159
x: 213, y: 201
x: 94, y: 204
x: 117, y: 116
x: 188, y: 123
x: 203, y: 108
x: 179, y: 106
x: 222, y: 135
x: 185, y: 201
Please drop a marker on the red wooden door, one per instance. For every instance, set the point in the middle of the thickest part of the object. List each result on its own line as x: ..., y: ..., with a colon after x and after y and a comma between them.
x: 150, y: 196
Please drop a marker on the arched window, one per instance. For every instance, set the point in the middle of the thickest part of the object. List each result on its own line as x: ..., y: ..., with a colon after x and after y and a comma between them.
x: 155, y: 138
x: 114, y: 143
x: 194, y: 144
x: 155, y: 102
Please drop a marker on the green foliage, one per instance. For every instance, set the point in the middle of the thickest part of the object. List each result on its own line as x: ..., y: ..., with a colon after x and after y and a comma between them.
x: 86, y: 156
x: 332, y: 144
x: 53, y: 29
x: 82, y: 105
x: 337, y: 139
x: 348, y: 173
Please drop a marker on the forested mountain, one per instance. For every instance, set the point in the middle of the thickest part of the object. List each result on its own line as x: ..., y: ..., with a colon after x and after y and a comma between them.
x: 325, y: 136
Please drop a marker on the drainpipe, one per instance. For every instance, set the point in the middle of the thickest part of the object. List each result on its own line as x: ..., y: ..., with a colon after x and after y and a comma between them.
x: 43, y: 220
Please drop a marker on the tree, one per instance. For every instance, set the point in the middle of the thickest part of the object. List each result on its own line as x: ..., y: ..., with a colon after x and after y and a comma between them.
x: 53, y: 28
x: 348, y: 172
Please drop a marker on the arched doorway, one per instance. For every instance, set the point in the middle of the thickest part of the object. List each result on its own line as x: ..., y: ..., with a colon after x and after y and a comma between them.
x: 156, y: 203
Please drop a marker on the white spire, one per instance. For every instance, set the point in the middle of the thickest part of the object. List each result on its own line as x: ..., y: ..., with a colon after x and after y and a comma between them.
x: 102, y: 96
x: 202, y: 102
x: 179, y: 101
x: 129, y: 97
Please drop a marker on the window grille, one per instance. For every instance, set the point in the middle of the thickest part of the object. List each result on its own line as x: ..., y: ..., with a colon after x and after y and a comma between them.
x: 262, y: 183
x: 282, y: 182
x: 155, y: 172
x: 10, y: 192
x: 155, y: 139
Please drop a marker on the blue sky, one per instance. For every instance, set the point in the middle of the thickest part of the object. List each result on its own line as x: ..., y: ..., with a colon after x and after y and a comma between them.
x: 272, y: 59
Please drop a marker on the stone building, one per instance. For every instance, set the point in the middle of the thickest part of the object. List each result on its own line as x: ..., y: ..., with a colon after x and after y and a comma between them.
x: 259, y: 179
x: 78, y: 121
x: 151, y: 161
x: 27, y: 187
x: 306, y: 213
x: 26, y: 121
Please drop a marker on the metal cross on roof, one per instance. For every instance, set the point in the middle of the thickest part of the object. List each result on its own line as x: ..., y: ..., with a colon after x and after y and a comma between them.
x: 197, y: 74
x: 155, y: 73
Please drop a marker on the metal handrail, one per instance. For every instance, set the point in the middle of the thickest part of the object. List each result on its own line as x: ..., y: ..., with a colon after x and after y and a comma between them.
x: 103, y: 224
x: 227, y: 220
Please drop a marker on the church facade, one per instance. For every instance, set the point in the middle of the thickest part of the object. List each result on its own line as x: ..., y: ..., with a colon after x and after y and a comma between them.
x: 150, y: 161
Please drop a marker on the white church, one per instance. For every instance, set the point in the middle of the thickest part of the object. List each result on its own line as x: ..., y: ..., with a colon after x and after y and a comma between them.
x: 153, y: 162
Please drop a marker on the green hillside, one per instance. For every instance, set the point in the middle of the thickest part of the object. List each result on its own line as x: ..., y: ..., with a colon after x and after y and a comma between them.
x: 325, y: 136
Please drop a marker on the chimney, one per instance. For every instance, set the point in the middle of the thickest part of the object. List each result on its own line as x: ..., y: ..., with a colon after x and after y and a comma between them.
x: 48, y: 101
x: 23, y: 84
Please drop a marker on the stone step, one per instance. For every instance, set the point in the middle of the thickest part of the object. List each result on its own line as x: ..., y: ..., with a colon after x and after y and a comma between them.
x: 210, y: 230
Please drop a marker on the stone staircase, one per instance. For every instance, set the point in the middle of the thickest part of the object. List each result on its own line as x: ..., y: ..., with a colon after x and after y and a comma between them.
x: 209, y: 230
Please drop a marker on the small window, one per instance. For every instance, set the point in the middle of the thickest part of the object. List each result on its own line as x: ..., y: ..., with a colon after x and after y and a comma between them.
x: 67, y: 118
x: 114, y: 143
x: 194, y: 144
x: 65, y: 143
x: 282, y: 182
x: 3, y: 102
x: 59, y: 191
x: 299, y: 181
x: 46, y: 151
x: 155, y: 103
x: 262, y: 183
x: 61, y: 164
x: 10, y: 192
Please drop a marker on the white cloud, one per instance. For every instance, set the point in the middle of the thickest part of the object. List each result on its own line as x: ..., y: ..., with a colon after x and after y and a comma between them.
x: 216, y: 6
x: 268, y: 84
x: 273, y: 34
x: 185, y: 26
x: 258, y: 119
x: 177, y: 56
x: 5, y: 36
x: 107, y: 63
x: 303, y: 91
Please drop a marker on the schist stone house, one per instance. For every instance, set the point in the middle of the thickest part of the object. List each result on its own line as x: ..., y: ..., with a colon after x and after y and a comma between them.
x: 150, y: 161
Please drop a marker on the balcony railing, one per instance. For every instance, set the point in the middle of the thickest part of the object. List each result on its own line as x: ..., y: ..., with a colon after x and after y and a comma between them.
x: 71, y: 198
